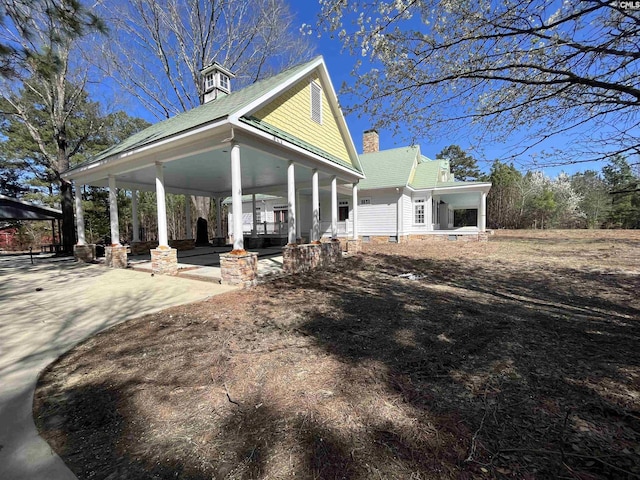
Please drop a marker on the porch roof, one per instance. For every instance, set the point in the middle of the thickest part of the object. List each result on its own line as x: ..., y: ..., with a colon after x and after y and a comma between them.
x: 194, y: 147
x: 199, y: 116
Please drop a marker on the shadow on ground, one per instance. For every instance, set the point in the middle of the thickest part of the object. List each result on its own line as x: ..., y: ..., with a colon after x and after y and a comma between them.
x: 467, y: 369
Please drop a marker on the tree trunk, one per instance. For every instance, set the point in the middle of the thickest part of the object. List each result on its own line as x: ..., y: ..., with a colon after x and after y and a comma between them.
x: 68, y: 226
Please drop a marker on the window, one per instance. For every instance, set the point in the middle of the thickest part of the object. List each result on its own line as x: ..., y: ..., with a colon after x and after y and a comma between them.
x: 365, y: 201
x: 418, y: 211
x: 210, y: 81
x: 343, y: 210
x: 224, y: 82
x: 316, y: 102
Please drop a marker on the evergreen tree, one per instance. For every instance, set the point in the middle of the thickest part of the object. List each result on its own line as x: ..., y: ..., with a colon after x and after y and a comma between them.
x: 504, y: 199
x: 625, y: 194
x: 463, y: 166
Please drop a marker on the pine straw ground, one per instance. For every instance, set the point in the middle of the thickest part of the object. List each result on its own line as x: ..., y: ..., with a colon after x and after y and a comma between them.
x: 517, y: 358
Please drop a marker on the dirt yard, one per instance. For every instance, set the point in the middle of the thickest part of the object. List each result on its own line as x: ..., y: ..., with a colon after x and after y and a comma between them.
x: 516, y: 358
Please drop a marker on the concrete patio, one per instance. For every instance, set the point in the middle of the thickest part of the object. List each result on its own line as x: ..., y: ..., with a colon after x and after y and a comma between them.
x: 47, y: 307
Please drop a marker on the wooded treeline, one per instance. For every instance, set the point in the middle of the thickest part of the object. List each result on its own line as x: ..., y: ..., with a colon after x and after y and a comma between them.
x: 609, y: 198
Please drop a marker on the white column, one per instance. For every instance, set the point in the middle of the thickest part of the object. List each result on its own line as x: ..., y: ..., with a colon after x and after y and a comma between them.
x: 113, y: 211
x: 428, y: 212
x: 80, y: 215
x: 354, y: 199
x: 236, y: 197
x: 315, y: 205
x: 482, y: 212
x: 334, y: 207
x: 291, y: 200
x: 187, y: 217
x: 161, y: 206
x: 298, y: 219
x: 135, y: 221
x: 254, y: 227
x: 219, y: 217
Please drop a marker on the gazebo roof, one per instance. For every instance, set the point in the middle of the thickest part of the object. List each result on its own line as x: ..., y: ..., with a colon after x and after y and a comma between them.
x: 14, y: 209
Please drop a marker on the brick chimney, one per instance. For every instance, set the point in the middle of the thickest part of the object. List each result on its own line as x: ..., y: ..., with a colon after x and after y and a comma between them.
x: 370, y: 141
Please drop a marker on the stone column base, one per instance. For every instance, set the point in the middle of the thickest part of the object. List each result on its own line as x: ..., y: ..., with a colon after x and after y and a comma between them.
x: 239, y: 269
x: 116, y: 256
x: 84, y: 253
x: 331, y: 252
x: 301, y: 258
x: 483, y: 237
x: 164, y: 261
x: 354, y: 246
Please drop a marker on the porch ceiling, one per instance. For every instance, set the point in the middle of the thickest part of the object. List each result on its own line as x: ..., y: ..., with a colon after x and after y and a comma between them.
x: 203, y: 167
x: 461, y: 200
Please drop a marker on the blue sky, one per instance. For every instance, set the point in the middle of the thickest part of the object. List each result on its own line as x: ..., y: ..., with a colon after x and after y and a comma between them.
x: 340, y: 64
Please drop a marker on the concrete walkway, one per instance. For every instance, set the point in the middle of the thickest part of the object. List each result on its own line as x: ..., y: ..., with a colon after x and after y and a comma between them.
x: 46, y: 309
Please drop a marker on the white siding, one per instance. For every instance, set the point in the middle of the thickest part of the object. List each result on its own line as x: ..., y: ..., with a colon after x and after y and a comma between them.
x: 407, y: 213
x: 414, y: 228
x: 380, y: 216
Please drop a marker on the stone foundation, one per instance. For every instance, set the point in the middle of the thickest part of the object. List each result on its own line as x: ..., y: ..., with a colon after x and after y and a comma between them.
x: 302, y: 258
x: 164, y: 261
x: 354, y: 246
x: 452, y: 236
x: 239, y: 269
x: 84, y: 253
x: 116, y: 256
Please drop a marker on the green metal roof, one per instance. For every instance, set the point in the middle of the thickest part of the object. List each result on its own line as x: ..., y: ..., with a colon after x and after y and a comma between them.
x: 221, y: 108
x: 388, y: 168
x: 426, y: 174
x: 458, y: 184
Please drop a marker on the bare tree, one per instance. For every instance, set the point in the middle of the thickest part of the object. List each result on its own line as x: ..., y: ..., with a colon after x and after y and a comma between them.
x: 545, y: 69
x: 158, y: 49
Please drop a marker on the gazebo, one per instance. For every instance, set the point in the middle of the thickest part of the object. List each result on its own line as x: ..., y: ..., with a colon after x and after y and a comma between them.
x: 14, y: 209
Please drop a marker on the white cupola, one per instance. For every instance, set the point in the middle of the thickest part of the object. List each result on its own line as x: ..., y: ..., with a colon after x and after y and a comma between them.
x: 216, y: 81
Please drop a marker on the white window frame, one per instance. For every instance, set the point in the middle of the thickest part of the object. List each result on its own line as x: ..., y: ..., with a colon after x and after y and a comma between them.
x: 209, y: 81
x: 419, y: 204
x: 316, y: 102
x: 364, y: 201
x: 224, y: 82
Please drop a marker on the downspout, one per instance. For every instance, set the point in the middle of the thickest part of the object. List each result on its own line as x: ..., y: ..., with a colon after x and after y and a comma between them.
x: 399, y: 211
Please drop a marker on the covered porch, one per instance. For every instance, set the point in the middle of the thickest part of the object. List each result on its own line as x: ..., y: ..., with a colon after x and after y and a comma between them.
x: 448, y: 200
x: 219, y: 161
